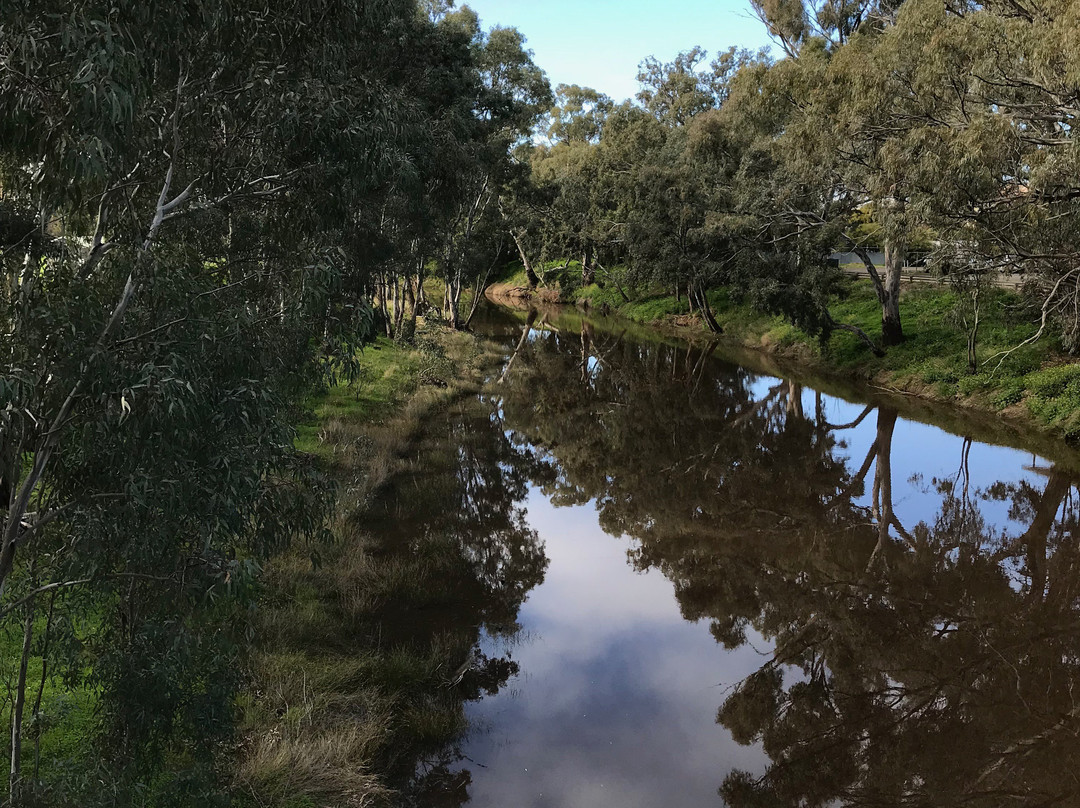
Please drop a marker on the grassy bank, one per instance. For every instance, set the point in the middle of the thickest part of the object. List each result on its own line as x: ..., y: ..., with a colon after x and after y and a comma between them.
x: 343, y: 697
x: 1035, y: 383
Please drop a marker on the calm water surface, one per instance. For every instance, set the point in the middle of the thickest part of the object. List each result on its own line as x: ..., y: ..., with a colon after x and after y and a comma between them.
x: 719, y: 586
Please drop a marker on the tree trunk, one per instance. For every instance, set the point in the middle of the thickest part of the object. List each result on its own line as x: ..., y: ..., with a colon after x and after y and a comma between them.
x: 534, y: 281
x: 882, y: 499
x: 887, y: 289
x: 474, y: 304
x: 794, y: 400
x: 706, y: 310
x: 388, y: 318
x: 453, y: 300
x: 588, y: 271
x: 891, y: 331
x: 14, y: 532
x: 17, y: 709
x: 409, y: 285
x: 586, y: 350
x: 421, y: 296
x: 1034, y: 539
x: 521, y: 344
x: 973, y: 333
x: 857, y: 332
x: 41, y: 686
x: 618, y: 287
x: 399, y: 306
x: 448, y: 280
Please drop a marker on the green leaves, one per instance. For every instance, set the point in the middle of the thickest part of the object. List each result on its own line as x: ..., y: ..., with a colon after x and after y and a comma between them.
x: 158, y: 340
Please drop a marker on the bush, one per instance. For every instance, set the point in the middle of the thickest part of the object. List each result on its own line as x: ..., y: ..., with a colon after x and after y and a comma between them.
x: 1054, y: 381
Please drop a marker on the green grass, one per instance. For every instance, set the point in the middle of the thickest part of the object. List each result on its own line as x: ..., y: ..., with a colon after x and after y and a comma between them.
x: 389, y: 373
x: 513, y: 274
x: 565, y: 277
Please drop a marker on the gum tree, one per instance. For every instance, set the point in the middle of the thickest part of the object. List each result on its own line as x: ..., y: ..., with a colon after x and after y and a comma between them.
x: 192, y: 201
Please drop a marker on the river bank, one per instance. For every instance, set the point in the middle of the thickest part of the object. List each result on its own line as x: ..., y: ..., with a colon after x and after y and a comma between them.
x: 1035, y: 385
x: 373, y: 662
x: 346, y: 692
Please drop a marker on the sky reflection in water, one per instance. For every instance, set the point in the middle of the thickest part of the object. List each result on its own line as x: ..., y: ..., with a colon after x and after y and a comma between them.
x: 616, y: 702
x: 882, y: 612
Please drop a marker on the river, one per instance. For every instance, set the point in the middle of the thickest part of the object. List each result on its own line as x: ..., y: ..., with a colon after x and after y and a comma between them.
x: 700, y: 580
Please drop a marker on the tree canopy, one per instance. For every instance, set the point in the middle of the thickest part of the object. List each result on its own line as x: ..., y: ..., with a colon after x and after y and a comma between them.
x: 930, y: 132
x: 206, y: 210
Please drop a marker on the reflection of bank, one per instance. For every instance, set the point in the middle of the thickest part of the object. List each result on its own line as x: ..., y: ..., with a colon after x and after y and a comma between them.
x: 456, y: 559
x: 925, y: 660
x: 992, y: 428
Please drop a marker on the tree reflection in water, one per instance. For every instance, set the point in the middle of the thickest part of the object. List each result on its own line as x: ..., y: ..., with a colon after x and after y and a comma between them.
x: 935, y: 663
x: 452, y: 527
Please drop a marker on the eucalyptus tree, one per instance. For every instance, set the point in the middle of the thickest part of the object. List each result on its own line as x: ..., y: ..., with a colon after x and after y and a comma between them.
x: 194, y: 193
x: 511, y: 96
x: 424, y: 194
x: 960, y: 118
x: 1007, y: 151
x: 832, y: 122
x: 633, y: 139
x: 678, y: 90
x: 548, y: 208
x: 578, y: 114
x: 794, y: 23
x: 525, y: 209
x: 673, y: 235
x: 563, y: 179
x: 885, y: 125
x: 712, y: 202
x: 785, y: 219
x: 545, y: 197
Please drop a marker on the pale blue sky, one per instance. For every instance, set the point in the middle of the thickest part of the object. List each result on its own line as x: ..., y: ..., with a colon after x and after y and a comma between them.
x: 598, y: 43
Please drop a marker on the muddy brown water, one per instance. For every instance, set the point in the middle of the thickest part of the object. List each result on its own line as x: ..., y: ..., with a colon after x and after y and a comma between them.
x: 714, y: 583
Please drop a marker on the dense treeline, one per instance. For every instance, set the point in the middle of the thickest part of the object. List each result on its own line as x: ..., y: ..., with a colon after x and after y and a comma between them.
x: 899, y: 125
x: 205, y: 209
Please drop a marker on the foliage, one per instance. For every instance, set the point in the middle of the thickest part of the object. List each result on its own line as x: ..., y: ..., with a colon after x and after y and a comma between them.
x: 936, y: 133
x: 206, y: 211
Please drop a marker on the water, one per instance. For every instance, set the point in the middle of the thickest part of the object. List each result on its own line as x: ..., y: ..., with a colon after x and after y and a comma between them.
x: 757, y: 592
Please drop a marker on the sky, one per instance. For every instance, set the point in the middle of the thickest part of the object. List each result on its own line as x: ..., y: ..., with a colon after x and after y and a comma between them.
x: 599, y: 43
